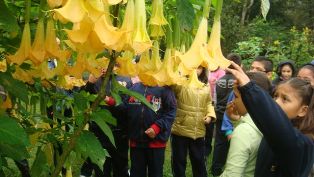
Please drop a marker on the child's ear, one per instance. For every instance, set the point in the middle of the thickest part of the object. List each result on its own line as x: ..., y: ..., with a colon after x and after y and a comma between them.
x: 302, y: 111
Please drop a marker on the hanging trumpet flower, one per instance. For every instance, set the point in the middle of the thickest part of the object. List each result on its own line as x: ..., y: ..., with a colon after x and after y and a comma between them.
x: 193, y: 80
x: 214, y: 47
x: 3, y: 65
x: 141, y: 40
x: 23, y: 52
x: 54, y: 3
x: 126, y: 66
x: 38, y: 50
x: 197, y: 53
x: 157, y: 17
x: 73, y: 11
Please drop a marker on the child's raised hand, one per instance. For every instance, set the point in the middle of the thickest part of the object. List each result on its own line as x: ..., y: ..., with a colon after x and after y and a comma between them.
x: 232, y: 111
x: 239, y: 74
x: 150, y: 132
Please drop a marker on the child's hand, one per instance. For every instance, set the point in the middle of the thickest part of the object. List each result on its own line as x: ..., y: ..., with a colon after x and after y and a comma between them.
x: 229, y: 137
x: 150, y: 132
x: 239, y: 74
x: 232, y: 111
x: 207, y: 120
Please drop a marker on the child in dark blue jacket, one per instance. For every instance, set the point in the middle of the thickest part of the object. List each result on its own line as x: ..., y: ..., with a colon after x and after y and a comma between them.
x: 287, y: 123
x: 149, y: 129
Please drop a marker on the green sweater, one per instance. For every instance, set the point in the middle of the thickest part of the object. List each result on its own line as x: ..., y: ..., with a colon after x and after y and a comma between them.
x: 243, y: 149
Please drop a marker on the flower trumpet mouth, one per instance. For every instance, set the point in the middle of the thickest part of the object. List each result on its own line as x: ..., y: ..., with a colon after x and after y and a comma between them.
x: 157, y: 17
x: 73, y: 11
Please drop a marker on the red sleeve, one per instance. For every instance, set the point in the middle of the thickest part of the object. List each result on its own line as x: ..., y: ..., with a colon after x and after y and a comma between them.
x: 156, y: 128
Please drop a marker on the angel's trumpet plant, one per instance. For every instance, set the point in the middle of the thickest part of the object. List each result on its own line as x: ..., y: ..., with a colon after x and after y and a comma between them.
x: 38, y: 50
x: 95, y: 9
x: 127, y: 28
x: 54, y: 3
x: 52, y: 44
x: 80, y: 31
x: 113, y: 2
x: 214, y: 47
x: 23, y: 52
x: 126, y: 66
x: 193, y: 80
x: 156, y: 31
x: 73, y: 11
x: 157, y: 17
x: 196, y: 55
x: 141, y: 40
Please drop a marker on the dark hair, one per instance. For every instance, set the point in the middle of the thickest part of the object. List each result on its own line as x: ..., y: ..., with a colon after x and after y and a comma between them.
x: 268, y: 64
x: 235, y: 58
x: 284, y: 63
x: 306, y: 93
x: 203, y: 77
x: 261, y: 80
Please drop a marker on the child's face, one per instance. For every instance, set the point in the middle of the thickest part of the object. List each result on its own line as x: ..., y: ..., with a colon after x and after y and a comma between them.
x: 286, y: 72
x: 238, y: 103
x: 307, y: 75
x: 289, y: 101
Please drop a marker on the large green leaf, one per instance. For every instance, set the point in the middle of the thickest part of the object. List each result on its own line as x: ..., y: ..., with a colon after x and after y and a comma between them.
x: 11, y: 132
x: 100, y: 120
x: 16, y: 152
x: 89, y: 146
x: 106, y: 115
x: 185, y: 14
x: 40, y: 167
x: 8, y: 20
x: 14, y: 87
x: 121, y: 89
x: 81, y: 100
x: 265, y: 5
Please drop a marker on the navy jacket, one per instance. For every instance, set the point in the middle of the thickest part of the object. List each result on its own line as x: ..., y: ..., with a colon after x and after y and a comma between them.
x: 140, y: 117
x: 284, y: 150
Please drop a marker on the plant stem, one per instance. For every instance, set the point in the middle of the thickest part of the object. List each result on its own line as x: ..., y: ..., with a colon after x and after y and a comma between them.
x: 27, y: 10
x: 67, y: 149
x: 206, y: 8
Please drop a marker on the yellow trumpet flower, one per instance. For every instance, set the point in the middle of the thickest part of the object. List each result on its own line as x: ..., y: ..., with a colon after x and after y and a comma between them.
x: 156, y: 62
x: 68, y: 82
x: 157, y: 17
x: 214, y: 47
x: 141, y: 40
x: 38, y: 51
x: 3, y: 65
x: 23, y: 75
x: 193, y: 80
x: 156, y: 31
x: 126, y: 66
x: 95, y: 66
x: 107, y: 34
x: 6, y: 104
x: 54, y: 3
x: 73, y: 11
x: 197, y: 53
x: 166, y: 75
x: 23, y: 52
x: 82, y: 31
x: 51, y: 44
x: 95, y: 9
x: 127, y: 27
x: 113, y: 2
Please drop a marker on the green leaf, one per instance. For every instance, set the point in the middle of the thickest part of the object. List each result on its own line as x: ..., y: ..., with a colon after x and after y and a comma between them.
x: 116, y: 97
x: 265, y: 5
x: 14, y: 87
x: 120, y: 89
x: 185, y: 14
x: 89, y: 146
x: 16, y: 152
x: 81, y: 100
x: 99, y: 119
x: 11, y: 132
x: 106, y: 115
x: 8, y: 21
x: 40, y: 167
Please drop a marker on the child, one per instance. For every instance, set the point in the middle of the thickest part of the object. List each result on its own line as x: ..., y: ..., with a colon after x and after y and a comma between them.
x: 307, y: 73
x: 262, y: 64
x: 195, y: 110
x: 148, y: 130
x: 285, y: 71
x: 246, y: 136
x: 287, y: 124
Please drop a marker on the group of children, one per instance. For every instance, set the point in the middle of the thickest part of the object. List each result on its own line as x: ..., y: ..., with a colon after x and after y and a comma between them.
x: 274, y: 135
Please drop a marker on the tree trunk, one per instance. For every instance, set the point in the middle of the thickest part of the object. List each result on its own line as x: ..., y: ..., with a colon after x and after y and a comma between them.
x: 246, y: 7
